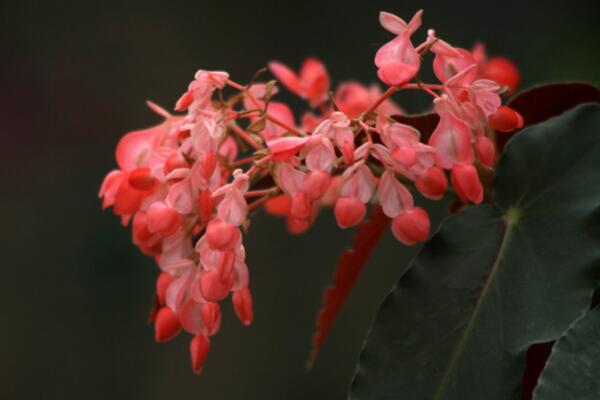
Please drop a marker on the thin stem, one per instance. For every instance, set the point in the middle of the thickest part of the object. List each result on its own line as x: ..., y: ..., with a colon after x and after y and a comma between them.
x: 243, y: 161
x: 257, y: 104
x: 260, y: 192
x: 243, y: 135
x: 390, y: 91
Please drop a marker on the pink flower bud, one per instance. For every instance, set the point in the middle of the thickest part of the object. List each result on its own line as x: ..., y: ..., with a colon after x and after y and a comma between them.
x: 466, y: 183
x: 405, y: 155
x: 284, y: 148
x: 213, y: 288
x: 222, y: 235
x: 166, y: 325
x: 279, y: 205
x: 349, y: 211
x: 162, y: 283
x: 411, y: 226
x: 316, y: 184
x: 502, y: 71
x: 301, y: 206
x: 162, y: 219
x: 208, y: 163
x: 210, y: 313
x: 173, y: 162
x: 184, y: 101
x: 505, y: 119
x: 242, y: 304
x: 141, y: 179
x: 199, y: 347
x: 127, y: 199
x: 432, y: 184
x: 206, y: 205
x: 485, y: 150
x: 139, y: 228
x: 297, y: 226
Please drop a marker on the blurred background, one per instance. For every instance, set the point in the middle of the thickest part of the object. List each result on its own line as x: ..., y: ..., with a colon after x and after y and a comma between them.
x: 76, y: 293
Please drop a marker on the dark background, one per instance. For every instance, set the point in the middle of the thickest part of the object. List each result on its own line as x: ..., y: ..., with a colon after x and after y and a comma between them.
x: 75, y: 292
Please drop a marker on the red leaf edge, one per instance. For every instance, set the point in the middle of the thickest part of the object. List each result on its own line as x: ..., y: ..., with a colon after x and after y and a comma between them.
x: 350, y: 264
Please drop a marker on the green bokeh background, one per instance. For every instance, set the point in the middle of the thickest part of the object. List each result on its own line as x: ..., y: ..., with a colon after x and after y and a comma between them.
x: 74, y: 290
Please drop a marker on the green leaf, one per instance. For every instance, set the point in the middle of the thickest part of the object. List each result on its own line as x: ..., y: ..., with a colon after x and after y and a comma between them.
x: 573, y: 369
x: 496, y: 278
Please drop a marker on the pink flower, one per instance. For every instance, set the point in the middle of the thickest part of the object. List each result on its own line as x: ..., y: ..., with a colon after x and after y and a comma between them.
x: 311, y: 84
x: 451, y: 138
x: 398, y: 60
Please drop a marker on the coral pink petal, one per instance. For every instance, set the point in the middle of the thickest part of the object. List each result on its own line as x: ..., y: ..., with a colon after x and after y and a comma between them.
x: 199, y: 347
x: 286, y: 76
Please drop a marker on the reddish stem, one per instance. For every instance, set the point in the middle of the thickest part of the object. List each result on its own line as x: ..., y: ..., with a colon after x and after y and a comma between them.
x: 257, y: 104
x: 243, y: 135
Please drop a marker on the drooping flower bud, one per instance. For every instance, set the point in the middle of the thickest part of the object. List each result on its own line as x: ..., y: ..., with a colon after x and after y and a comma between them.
x: 316, y: 184
x: 505, y: 119
x: 166, y: 325
x: 242, y: 304
x: 206, y: 205
x: 466, y: 182
x: 173, y: 162
x: 141, y: 179
x: 127, y: 199
x: 485, y: 150
x: 349, y: 211
x: 199, y: 347
x: 297, y: 226
x: 222, y: 235
x: 432, y: 184
x: 210, y: 313
x: 279, y: 205
x: 411, y: 226
x: 213, y: 288
x: 503, y: 71
x: 301, y: 206
x: 405, y: 155
x: 162, y: 283
x: 162, y: 219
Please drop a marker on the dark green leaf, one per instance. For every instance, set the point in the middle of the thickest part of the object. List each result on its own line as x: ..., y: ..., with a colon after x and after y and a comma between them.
x: 546, y: 101
x: 496, y: 278
x: 573, y: 369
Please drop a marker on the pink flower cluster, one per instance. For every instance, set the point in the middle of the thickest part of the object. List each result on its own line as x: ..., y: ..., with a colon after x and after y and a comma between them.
x: 188, y: 184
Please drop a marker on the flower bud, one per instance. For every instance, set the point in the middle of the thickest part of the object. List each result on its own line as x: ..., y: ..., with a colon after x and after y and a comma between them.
x: 213, y: 288
x: 222, y: 235
x: 432, y: 184
x: 279, y: 205
x: 485, y: 150
x: 316, y: 184
x: 162, y: 283
x: 405, y: 155
x: 184, y: 101
x: 210, y: 313
x: 466, y: 183
x: 166, y: 325
x: 301, y: 206
x: 162, y: 219
x: 242, y: 304
x: 411, y: 226
x: 505, y: 119
x: 127, y: 199
x: 349, y: 211
x: 173, y: 162
x: 502, y: 71
x: 199, y: 347
x: 139, y: 228
x: 141, y: 179
x: 297, y: 226
x: 206, y: 205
